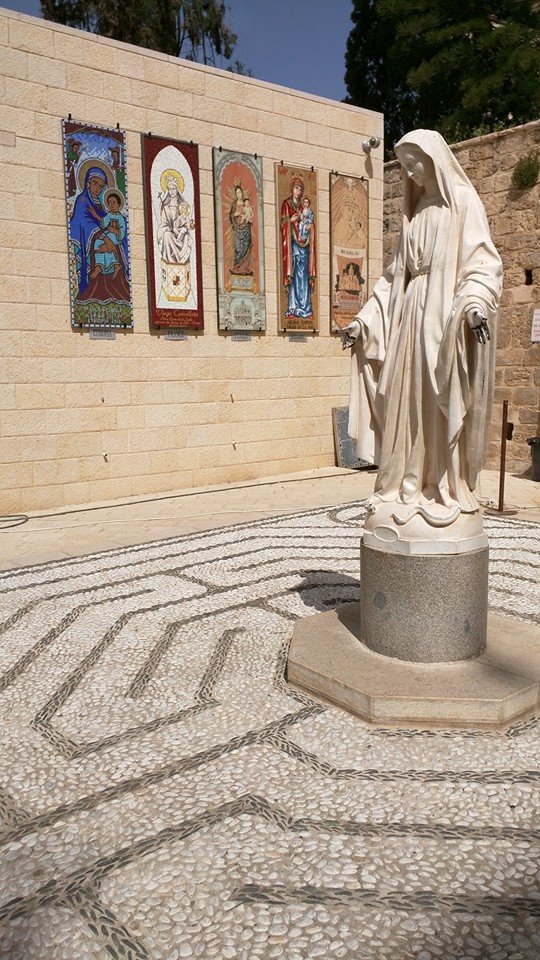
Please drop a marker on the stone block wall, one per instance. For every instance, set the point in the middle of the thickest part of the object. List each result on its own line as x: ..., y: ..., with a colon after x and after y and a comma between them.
x: 514, y: 217
x: 87, y: 420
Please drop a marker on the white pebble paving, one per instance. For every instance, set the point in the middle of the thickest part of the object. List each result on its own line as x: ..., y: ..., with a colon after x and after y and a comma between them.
x: 364, y: 797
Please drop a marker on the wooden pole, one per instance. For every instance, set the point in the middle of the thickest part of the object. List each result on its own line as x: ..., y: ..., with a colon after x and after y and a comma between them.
x: 502, y: 471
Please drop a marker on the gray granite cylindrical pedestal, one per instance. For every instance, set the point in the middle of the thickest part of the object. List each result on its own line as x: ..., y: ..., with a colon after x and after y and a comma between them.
x: 424, y: 608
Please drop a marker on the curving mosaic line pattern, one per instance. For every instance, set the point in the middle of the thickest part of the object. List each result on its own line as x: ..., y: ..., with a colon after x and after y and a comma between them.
x: 164, y: 794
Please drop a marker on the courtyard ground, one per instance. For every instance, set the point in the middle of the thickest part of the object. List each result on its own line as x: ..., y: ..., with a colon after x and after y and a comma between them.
x: 165, y: 793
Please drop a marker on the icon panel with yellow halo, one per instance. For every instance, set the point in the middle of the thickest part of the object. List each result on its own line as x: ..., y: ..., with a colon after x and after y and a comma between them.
x: 173, y: 243
x: 98, y: 226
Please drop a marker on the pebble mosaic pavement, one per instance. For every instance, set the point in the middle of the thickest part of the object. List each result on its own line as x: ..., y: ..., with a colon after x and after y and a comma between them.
x: 164, y: 794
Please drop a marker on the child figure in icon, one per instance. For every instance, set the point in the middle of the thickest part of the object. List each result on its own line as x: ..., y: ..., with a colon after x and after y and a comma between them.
x: 248, y: 211
x: 306, y: 219
x: 112, y: 232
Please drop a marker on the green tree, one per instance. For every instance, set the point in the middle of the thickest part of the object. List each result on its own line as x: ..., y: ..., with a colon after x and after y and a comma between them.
x: 462, y: 68
x: 194, y: 29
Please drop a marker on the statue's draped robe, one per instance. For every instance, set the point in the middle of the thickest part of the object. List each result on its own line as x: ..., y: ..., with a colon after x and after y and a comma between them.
x: 421, y: 385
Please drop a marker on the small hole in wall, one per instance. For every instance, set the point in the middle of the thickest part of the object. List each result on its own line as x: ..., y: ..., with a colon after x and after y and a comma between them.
x: 528, y: 278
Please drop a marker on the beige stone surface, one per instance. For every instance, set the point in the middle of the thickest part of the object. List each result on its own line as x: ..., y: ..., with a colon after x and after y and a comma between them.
x: 149, y: 508
x: 514, y: 223
x: 206, y: 410
x: 327, y: 658
x: 157, y: 512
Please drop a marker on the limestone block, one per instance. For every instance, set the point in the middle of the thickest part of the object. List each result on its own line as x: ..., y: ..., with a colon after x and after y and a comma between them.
x: 208, y: 435
x: 97, y: 468
x: 32, y: 38
x: 74, y: 49
x: 116, y: 394
x: 17, y: 475
x: 178, y: 102
x: 171, y: 437
x: 190, y: 78
x: 75, y: 445
x: 50, y: 183
x: 158, y: 71
x: 86, y: 81
x: 19, y: 423
x: 131, y: 64
x: 190, y: 128
x: 42, y: 497
x: 39, y: 395
x: 518, y: 376
x: 153, y: 483
x: 130, y: 418
x: 525, y: 396
x: 172, y: 415
x: 294, y: 129
x: 10, y: 449
x: 56, y: 471
x: 11, y: 501
x: 117, y: 442
x: 88, y: 419
x: 35, y: 95
x: 74, y: 493
x: 130, y: 116
x: 310, y: 109
x: 104, y: 490
x: 143, y: 439
x: 143, y: 393
x: 213, y: 111
x: 14, y: 63
x: 38, y: 290
x: 11, y: 286
x: 47, y: 70
x: 27, y: 370
x: 56, y: 102
x: 133, y: 370
x: 8, y: 396
x: 101, y: 55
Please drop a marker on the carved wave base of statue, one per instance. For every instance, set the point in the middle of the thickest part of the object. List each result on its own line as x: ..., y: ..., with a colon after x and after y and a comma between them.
x: 491, y: 691
x: 423, y: 529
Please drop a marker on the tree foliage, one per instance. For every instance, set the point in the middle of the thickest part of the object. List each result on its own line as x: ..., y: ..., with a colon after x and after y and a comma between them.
x: 463, y: 67
x: 193, y: 29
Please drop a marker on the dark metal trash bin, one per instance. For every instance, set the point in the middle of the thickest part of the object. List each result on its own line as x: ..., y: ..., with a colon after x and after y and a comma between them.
x: 534, y: 443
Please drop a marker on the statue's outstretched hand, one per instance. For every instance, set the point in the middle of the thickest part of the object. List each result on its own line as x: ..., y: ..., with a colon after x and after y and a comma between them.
x: 350, y: 334
x: 478, y: 324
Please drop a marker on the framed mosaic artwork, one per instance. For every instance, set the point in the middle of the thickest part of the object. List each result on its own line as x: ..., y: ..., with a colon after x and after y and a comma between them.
x: 238, y: 198
x: 296, y: 198
x: 173, y: 232
x: 98, y: 225
x: 349, y: 226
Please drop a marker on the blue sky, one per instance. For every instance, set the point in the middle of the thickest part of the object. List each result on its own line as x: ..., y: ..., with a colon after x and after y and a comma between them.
x: 296, y: 43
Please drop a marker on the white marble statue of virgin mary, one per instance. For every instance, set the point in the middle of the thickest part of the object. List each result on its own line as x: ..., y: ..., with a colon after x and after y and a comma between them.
x: 423, y: 361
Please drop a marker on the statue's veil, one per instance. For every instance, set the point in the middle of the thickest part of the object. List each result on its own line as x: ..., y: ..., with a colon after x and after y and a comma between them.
x: 447, y: 170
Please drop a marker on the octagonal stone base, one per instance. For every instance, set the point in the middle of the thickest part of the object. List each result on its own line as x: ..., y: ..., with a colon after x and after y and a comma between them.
x: 327, y: 658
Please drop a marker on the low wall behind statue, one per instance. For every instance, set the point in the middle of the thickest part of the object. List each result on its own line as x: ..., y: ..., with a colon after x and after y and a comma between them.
x: 513, y: 215
x: 87, y: 420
